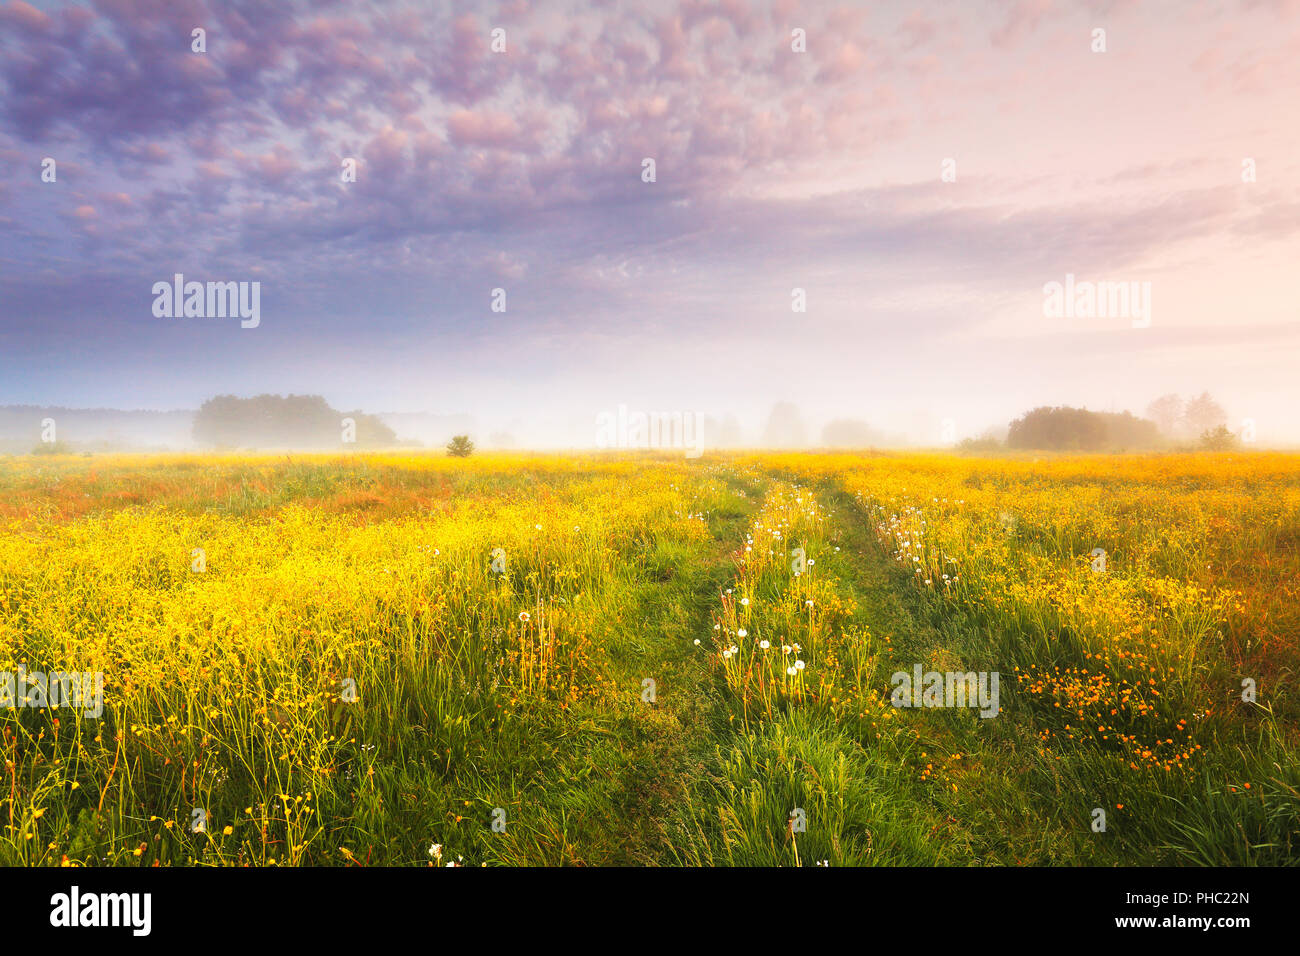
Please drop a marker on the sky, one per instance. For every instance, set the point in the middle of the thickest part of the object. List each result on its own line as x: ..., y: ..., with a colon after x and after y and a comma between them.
x: 921, y: 171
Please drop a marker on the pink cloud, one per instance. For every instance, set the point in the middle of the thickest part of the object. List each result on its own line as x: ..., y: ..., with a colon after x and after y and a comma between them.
x: 493, y: 129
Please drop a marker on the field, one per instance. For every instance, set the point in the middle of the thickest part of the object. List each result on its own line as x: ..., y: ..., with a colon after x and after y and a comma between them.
x: 542, y: 660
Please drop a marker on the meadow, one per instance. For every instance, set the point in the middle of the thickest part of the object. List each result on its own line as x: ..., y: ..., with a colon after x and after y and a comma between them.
x: 408, y: 659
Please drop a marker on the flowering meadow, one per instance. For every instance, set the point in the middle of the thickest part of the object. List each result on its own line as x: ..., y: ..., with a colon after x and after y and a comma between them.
x: 409, y: 659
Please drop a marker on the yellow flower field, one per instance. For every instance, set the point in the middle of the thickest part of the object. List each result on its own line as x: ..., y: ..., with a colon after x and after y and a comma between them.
x: 537, y: 659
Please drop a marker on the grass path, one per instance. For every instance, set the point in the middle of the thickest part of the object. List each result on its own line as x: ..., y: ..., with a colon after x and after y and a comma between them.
x: 902, y: 788
x: 669, y: 742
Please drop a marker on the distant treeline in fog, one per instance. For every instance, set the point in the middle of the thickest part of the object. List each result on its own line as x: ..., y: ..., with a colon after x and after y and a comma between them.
x: 309, y: 422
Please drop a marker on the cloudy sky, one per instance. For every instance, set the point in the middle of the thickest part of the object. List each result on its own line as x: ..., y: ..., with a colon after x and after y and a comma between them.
x: 775, y: 170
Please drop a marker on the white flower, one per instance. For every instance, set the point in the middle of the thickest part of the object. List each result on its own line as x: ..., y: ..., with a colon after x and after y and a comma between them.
x: 523, y: 616
x: 742, y: 633
x: 798, y: 665
x: 744, y: 602
x: 697, y: 642
x: 538, y: 527
x: 791, y: 671
x: 809, y: 603
x: 435, y: 851
x: 735, y: 649
x: 764, y: 645
x: 797, y: 647
x: 785, y: 648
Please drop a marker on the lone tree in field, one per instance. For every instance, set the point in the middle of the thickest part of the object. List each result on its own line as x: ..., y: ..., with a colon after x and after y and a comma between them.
x: 460, y: 447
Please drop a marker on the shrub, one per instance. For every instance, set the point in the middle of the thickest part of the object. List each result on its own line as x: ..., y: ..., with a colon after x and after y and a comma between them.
x: 460, y: 447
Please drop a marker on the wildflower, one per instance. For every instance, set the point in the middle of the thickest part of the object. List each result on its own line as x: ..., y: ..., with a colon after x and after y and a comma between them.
x: 742, y: 633
x: 523, y: 616
x: 435, y: 852
x: 764, y: 645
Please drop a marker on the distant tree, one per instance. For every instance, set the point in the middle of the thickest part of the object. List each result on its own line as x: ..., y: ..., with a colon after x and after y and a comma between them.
x: 1126, y: 430
x: 785, y: 427
x: 1203, y: 414
x: 1219, y: 439
x: 278, y: 421
x: 1077, y: 429
x: 1166, y: 411
x: 1062, y: 428
x: 460, y: 447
